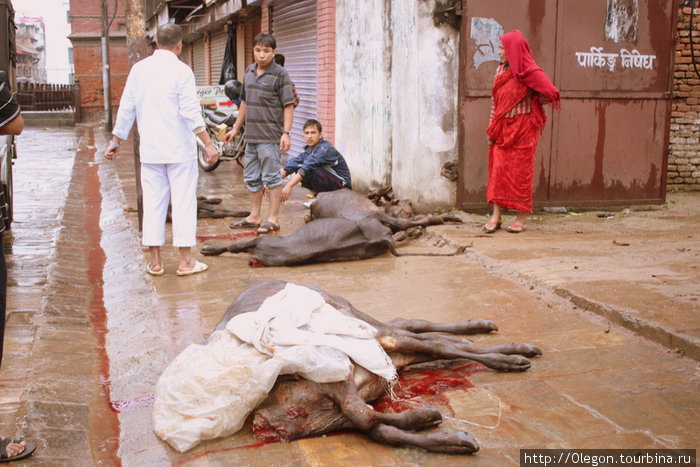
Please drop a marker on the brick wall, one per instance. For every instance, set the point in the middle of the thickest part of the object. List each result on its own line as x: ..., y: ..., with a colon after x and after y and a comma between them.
x: 684, y: 149
x: 325, y: 36
x: 86, y: 31
x: 265, y: 16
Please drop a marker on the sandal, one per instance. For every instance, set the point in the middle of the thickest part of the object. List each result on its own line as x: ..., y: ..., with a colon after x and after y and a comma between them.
x: 268, y: 227
x: 244, y: 224
x: 28, y: 450
x: 491, y: 227
x: 515, y: 227
x: 198, y: 267
x: 151, y: 269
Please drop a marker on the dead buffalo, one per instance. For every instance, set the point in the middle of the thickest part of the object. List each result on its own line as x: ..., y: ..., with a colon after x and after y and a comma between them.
x: 297, y: 408
x: 321, y: 240
x: 398, y: 214
x: 348, y: 204
x: 210, y: 208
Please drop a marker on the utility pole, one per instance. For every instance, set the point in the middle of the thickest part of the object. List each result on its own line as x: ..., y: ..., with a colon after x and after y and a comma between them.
x: 106, y: 84
x: 137, y: 46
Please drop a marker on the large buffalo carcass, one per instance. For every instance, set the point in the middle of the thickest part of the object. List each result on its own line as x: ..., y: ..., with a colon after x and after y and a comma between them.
x: 397, y: 215
x: 336, y: 359
x: 343, y: 226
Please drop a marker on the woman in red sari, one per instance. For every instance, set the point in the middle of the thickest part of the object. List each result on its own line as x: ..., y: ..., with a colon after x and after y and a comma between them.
x: 520, y: 88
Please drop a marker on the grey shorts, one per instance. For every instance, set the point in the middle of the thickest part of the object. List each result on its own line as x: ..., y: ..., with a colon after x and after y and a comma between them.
x: 262, y: 166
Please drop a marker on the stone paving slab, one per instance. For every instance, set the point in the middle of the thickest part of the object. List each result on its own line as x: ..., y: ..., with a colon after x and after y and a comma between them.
x: 598, y: 384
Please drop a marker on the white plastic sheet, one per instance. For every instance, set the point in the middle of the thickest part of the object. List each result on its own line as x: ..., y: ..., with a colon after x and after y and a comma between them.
x: 209, y: 390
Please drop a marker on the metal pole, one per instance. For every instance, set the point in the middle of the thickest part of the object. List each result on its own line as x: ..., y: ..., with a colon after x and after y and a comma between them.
x: 105, y: 68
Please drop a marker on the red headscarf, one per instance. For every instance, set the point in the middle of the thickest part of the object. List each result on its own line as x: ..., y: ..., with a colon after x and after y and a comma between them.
x: 524, y: 68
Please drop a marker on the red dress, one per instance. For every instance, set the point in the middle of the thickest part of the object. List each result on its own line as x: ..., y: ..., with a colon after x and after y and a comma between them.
x: 517, y: 119
x: 516, y: 123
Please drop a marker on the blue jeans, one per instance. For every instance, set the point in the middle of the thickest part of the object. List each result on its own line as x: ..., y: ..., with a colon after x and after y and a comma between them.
x: 262, y: 166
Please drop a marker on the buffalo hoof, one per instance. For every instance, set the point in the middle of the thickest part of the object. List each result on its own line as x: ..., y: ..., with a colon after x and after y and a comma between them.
x: 500, y: 362
x: 527, y: 350
x: 212, y: 250
x: 458, y: 442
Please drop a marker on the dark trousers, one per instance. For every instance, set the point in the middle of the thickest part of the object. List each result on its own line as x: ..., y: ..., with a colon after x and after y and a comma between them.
x: 320, y: 180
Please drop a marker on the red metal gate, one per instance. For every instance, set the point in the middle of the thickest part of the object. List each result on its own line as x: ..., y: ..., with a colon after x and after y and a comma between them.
x: 612, y: 61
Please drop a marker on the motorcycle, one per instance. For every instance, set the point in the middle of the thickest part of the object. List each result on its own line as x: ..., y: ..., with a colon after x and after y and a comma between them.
x: 217, y: 125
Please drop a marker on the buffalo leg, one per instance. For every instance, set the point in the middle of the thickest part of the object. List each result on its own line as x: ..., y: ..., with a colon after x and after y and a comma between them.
x: 390, y: 427
x: 464, y: 344
x: 525, y: 349
x: 235, y: 247
x: 364, y: 417
x: 394, y: 337
x: 441, y: 349
x: 425, y: 220
x: 457, y: 442
x: 477, y: 326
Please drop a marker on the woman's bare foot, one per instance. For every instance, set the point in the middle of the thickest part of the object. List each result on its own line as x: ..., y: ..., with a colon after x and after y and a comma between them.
x: 519, y: 223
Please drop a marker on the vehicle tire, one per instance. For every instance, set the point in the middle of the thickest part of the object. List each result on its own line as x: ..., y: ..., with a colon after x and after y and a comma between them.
x: 6, y: 196
x: 202, y: 160
x: 5, y: 206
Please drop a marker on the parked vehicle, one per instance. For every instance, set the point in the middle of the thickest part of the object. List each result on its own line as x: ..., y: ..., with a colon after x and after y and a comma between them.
x: 7, y: 142
x: 218, y: 124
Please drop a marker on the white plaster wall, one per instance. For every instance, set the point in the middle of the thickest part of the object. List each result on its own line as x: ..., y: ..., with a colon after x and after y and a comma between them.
x: 425, y: 76
x: 396, y: 98
x: 363, y: 90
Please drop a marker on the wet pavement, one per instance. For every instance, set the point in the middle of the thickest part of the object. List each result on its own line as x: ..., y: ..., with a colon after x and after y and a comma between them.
x: 613, y: 302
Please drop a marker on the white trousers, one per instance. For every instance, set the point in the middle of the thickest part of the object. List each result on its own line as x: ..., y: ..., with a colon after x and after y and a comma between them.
x: 175, y: 184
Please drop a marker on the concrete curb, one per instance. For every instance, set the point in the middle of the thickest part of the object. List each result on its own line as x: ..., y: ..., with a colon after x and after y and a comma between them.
x: 679, y: 343
x: 49, y: 118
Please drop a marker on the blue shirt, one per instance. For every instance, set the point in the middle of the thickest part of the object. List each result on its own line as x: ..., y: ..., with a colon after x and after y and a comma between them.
x: 323, y: 157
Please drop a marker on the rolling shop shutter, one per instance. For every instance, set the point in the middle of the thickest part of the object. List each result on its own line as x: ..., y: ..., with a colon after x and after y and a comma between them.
x: 185, y: 55
x: 218, y: 46
x: 294, y: 27
x: 198, y: 62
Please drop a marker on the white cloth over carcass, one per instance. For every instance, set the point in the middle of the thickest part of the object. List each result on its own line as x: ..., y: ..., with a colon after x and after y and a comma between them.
x: 209, y: 390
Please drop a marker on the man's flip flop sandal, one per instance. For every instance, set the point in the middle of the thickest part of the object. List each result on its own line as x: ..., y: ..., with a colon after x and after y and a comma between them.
x: 268, y: 227
x: 150, y: 269
x: 29, y: 449
x: 198, y: 267
x: 244, y: 224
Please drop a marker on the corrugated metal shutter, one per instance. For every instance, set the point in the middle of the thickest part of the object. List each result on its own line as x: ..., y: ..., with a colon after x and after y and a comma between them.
x: 198, y: 62
x: 218, y: 46
x: 294, y: 27
x: 185, y: 54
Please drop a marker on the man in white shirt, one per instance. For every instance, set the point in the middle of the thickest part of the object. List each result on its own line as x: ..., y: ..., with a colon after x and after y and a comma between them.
x: 160, y: 94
